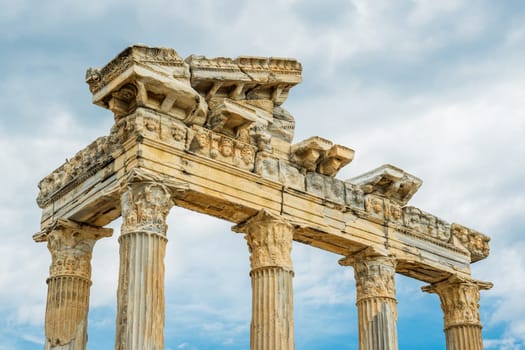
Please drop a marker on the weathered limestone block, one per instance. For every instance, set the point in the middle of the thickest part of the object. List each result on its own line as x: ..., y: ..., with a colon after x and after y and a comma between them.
x: 354, y: 196
x: 326, y: 187
x: 390, y: 182
x: 315, y: 184
x: 376, y: 299
x: 475, y: 242
x: 156, y: 78
x: 290, y: 176
x: 71, y: 245
x: 460, y: 303
x: 140, y: 298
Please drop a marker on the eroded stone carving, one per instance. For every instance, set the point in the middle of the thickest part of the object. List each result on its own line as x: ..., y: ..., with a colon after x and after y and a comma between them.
x: 390, y: 182
x: 459, y: 300
x: 204, y: 142
x: 269, y: 240
x: 476, y: 243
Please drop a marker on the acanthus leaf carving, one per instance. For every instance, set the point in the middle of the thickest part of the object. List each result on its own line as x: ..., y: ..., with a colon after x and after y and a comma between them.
x: 459, y: 300
x: 374, y: 273
x: 269, y: 239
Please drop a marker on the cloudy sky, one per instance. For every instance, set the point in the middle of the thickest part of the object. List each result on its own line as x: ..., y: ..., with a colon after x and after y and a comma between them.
x: 434, y: 87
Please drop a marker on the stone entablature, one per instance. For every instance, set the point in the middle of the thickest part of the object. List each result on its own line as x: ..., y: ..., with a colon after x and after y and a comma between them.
x: 211, y: 135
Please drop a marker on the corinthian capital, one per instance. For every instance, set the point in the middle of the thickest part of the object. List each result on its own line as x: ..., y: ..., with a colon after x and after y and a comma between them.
x: 459, y: 300
x: 71, y: 245
x: 374, y: 272
x: 269, y: 238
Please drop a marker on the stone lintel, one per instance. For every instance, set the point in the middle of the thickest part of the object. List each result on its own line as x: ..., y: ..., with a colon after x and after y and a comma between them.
x: 390, y: 182
x: 91, y: 231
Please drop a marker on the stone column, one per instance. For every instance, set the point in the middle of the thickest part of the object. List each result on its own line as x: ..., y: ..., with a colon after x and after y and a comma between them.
x: 140, y: 297
x: 460, y: 304
x: 70, y: 245
x: 269, y: 240
x: 376, y: 299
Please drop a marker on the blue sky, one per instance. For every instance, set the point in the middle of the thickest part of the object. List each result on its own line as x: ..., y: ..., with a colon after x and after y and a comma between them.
x: 434, y: 87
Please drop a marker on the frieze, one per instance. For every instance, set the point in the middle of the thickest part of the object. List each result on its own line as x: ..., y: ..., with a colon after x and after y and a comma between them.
x: 204, y: 142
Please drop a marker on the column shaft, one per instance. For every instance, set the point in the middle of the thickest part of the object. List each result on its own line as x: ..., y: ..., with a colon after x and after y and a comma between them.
x: 272, y: 309
x: 140, y: 296
x: 466, y: 337
x: 269, y: 240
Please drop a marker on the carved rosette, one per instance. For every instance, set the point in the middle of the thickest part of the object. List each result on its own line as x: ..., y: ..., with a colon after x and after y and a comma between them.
x: 71, y: 245
x: 269, y: 240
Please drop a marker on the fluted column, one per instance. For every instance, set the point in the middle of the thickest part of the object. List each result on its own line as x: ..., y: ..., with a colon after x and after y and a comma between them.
x: 140, y: 296
x: 269, y: 240
x: 376, y: 299
x: 71, y: 245
x: 460, y: 303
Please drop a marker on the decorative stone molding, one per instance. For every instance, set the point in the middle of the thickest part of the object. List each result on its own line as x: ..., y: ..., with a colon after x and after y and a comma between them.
x: 389, y: 182
x: 71, y: 245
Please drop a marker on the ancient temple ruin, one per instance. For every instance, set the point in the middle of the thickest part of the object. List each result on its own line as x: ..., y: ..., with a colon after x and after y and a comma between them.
x: 211, y: 135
